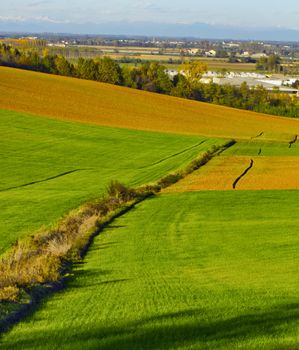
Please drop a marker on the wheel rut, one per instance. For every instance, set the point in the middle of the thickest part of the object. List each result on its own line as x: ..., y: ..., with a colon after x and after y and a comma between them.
x: 44, y: 180
x: 243, y: 174
x: 293, y: 141
x: 257, y: 136
x: 173, y: 155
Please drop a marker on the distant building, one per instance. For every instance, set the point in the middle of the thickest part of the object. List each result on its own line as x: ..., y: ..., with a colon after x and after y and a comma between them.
x: 258, y: 55
x: 211, y: 53
x: 171, y: 73
x: 193, y: 52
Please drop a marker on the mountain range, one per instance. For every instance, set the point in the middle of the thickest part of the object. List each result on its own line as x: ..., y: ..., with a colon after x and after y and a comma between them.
x: 195, y: 30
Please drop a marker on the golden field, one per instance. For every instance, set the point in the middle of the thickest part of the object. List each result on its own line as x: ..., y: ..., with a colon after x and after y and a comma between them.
x: 281, y: 173
x: 267, y: 173
x: 104, y: 104
x: 218, y: 174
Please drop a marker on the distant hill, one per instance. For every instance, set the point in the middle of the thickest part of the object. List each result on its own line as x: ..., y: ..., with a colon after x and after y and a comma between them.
x: 197, y: 30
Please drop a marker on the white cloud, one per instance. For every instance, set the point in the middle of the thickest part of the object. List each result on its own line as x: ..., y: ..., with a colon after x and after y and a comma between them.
x: 44, y: 19
x: 12, y: 19
x: 38, y: 3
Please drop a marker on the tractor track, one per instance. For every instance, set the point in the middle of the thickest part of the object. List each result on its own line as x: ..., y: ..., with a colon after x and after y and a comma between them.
x: 44, y: 180
x: 243, y: 174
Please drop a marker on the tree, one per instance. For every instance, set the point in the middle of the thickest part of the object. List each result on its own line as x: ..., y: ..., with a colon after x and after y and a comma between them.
x: 63, y: 67
x: 109, y: 71
x: 87, y: 69
x: 182, y: 87
x: 271, y: 63
x: 128, y: 75
x: 193, y: 71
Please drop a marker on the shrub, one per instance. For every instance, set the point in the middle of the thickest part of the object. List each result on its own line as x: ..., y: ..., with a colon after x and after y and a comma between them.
x: 42, y: 258
x: 170, y: 180
x: 117, y: 190
x: 10, y: 293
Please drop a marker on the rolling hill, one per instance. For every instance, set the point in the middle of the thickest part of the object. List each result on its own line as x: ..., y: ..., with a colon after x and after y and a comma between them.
x: 201, y: 270
x: 104, y: 104
x: 48, y: 167
x: 222, y: 273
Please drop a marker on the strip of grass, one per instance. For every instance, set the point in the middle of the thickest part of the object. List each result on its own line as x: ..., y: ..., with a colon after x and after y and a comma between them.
x: 221, y: 274
x: 262, y: 148
x: 38, y: 150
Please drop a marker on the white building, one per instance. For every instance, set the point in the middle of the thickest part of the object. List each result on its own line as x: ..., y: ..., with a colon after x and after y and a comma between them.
x: 211, y: 53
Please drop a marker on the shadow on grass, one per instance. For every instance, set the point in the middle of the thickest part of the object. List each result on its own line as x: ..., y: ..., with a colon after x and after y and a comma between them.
x: 175, y: 331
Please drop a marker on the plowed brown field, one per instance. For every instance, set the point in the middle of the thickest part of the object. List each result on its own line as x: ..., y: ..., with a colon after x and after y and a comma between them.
x: 104, y: 104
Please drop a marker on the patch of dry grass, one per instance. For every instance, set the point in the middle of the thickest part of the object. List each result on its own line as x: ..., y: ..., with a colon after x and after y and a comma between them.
x: 267, y: 173
x: 272, y: 173
x: 218, y: 174
x: 42, y: 258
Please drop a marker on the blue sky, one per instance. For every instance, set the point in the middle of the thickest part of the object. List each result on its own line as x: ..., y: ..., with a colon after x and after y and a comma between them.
x: 248, y: 13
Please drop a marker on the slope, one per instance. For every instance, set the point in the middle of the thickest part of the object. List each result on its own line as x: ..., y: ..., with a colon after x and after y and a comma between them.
x: 48, y: 167
x: 218, y: 275
x: 104, y: 104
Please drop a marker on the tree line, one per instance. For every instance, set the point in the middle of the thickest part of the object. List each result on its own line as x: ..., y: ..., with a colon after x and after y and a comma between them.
x: 151, y: 76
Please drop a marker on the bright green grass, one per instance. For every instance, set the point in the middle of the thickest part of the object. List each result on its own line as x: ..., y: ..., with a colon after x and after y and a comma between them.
x: 206, y: 270
x: 35, y: 149
x: 252, y: 148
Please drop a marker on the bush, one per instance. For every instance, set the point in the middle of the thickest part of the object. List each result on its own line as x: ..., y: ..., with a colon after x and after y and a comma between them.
x: 170, y: 180
x: 117, y: 190
x: 42, y: 258
x: 10, y: 293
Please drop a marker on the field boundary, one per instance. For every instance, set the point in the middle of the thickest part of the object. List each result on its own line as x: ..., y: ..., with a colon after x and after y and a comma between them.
x: 173, y: 155
x: 293, y: 141
x: 44, y: 180
x: 257, y: 136
x: 243, y: 174
x: 56, y: 250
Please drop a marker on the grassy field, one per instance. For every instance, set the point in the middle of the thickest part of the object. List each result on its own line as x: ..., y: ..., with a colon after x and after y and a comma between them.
x: 272, y: 173
x: 196, y: 270
x: 49, y: 166
x: 92, y: 102
x: 148, y: 54
x: 219, y: 275
x: 212, y: 65
x: 267, y: 173
x: 276, y: 166
x: 263, y: 148
x: 219, y: 174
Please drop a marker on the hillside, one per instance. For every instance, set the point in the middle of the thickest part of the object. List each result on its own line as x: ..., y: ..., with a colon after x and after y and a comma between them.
x: 48, y: 167
x: 216, y: 276
x: 211, y: 269
x: 104, y: 104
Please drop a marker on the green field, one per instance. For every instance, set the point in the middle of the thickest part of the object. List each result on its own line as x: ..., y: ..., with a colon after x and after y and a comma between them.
x: 264, y: 148
x: 204, y: 270
x: 182, y: 270
x: 49, y: 167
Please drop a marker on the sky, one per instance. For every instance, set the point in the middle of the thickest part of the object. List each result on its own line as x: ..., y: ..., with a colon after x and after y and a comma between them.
x: 276, y: 20
x: 249, y: 13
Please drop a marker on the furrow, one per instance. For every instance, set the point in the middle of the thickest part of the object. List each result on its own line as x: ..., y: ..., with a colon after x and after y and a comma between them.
x: 173, y: 155
x: 243, y: 174
x: 293, y: 141
x: 44, y: 180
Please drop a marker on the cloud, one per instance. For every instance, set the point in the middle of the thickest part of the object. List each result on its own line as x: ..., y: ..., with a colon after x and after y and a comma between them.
x: 40, y: 19
x: 49, y: 20
x: 12, y: 19
x: 148, y: 6
x: 38, y: 3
